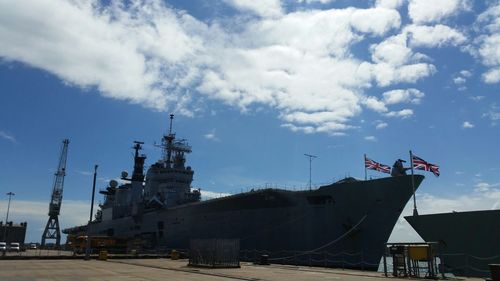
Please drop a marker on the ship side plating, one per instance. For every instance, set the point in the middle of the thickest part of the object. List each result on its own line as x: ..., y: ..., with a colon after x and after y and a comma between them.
x: 351, y: 217
x: 468, y: 240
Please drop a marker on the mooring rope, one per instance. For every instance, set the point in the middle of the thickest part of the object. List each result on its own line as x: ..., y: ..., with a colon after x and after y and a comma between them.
x: 327, y: 244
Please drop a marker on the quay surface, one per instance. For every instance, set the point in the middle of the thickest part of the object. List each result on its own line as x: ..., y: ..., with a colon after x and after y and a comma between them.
x: 166, y: 269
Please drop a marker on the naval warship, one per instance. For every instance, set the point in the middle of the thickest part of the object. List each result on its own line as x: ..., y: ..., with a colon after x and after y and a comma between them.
x: 349, y: 220
x: 468, y: 241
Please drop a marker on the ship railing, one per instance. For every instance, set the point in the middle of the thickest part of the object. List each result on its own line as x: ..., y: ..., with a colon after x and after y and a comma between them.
x: 288, y: 187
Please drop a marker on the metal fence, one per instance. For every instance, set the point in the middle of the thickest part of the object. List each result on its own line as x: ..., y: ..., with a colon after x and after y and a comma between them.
x: 214, y: 252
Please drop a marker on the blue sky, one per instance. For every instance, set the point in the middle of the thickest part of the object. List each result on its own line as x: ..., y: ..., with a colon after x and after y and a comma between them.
x: 254, y: 85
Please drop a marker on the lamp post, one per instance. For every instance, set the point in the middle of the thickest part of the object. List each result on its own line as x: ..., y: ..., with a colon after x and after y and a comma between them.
x: 87, y: 248
x: 7, y: 216
x: 310, y: 169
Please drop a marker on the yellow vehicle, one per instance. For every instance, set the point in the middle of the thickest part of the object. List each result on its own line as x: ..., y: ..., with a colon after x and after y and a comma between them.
x: 97, y: 243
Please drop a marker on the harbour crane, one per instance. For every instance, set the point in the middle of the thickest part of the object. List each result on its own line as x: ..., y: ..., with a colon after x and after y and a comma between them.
x: 52, y: 229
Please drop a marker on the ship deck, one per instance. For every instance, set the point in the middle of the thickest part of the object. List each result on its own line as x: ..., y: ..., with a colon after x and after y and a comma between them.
x: 163, y: 269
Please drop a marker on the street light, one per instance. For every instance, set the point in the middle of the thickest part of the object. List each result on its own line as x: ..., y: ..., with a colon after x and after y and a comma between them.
x: 7, y: 216
x: 87, y: 248
x: 310, y: 164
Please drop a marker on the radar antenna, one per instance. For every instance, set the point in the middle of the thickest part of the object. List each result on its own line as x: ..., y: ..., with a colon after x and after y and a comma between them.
x: 52, y: 229
x: 171, y: 148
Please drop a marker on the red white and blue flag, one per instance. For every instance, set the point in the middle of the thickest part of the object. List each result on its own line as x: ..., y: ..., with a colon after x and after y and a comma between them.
x: 421, y: 164
x: 372, y: 165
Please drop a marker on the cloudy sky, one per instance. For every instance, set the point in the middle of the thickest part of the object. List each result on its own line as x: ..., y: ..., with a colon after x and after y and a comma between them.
x: 254, y: 85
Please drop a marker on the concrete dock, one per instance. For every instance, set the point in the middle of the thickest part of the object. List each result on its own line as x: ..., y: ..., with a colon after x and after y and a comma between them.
x: 165, y: 269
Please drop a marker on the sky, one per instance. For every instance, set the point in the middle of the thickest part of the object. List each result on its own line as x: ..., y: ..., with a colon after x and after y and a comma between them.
x: 254, y: 85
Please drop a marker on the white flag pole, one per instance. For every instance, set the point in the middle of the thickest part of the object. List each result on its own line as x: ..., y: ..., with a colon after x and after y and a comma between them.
x: 365, y: 167
x: 415, y: 212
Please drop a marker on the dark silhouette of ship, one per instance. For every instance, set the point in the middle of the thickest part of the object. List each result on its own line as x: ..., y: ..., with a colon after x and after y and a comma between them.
x: 468, y: 241
x: 347, y: 221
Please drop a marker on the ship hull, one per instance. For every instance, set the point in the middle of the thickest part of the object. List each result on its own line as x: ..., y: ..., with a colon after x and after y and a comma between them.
x: 468, y: 240
x: 343, y: 224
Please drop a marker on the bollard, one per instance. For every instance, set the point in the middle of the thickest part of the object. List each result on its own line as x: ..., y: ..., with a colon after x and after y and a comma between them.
x: 264, y: 260
x: 174, y: 255
x: 103, y: 255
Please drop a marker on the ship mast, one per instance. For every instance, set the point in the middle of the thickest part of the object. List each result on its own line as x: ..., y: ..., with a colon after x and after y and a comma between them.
x: 173, y: 150
x: 167, y: 144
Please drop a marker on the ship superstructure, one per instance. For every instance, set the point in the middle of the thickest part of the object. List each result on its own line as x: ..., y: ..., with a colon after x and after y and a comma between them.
x: 167, y: 182
x: 350, y: 219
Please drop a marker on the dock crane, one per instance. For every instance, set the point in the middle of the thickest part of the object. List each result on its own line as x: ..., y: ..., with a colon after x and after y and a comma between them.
x: 52, y: 229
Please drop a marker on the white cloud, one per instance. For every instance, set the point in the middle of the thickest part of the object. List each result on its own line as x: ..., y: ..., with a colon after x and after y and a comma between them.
x: 211, y: 136
x: 304, y: 129
x: 481, y: 199
x: 268, y: 8
x: 493, y: 113
x: 404, y: 113
x: 370, y: 138
x: 392, y: 51
x: 487, y: 45
x: 124, y: 53
x: 459, y: 80
x: 375, y: 20
x: 467, y: 125
x: 312, y: 1
x: 390, y: 4
x: 477, y: 98
x: 433, y: 36
x: 298, y: 63
x: 492, y: 75
x: 394, y: 97
x: 403, y: 96
x: 206, y: 194
x: 84, y: 173
x: 428, y: 11
x: 395, y: 62
x: 381, y: 126
x: 386, y: 74
x: 466, y: 73
x: 374, y: 104
x: 7, y: 136
x: 482, y: 187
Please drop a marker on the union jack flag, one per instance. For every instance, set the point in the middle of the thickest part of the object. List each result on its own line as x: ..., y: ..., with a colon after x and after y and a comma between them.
x: 372, y: 165
x: 421, y: 164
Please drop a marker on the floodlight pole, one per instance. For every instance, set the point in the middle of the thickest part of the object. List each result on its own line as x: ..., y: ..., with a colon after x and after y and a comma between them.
x: 7, y: 216
x: 87, y: 248
x: 310, y: 168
